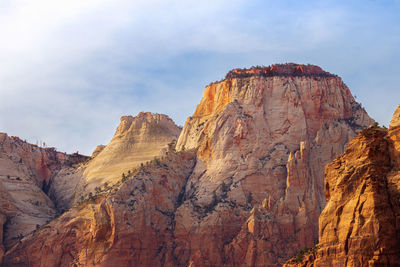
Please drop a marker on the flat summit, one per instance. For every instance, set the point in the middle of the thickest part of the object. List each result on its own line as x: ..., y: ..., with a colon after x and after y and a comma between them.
x: 242, y: 185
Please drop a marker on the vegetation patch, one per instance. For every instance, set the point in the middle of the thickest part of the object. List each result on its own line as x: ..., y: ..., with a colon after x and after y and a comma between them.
x: 304, y: 252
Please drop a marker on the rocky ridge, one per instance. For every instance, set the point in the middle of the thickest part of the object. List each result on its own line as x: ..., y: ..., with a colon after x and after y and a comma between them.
x: 26, y: 175
x: 360, y: 223
x: 137, y: 140
x: 130, y: 225
x: 37, y: 184
x: 262, y: 144
x: 245, y: 186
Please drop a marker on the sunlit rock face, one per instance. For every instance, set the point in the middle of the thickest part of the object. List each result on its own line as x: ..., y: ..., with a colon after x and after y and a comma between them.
x: 39, y: 183
x: 360, y: 223
x: 263, y: 136
x: 243, y: 186
x: 137, y: 140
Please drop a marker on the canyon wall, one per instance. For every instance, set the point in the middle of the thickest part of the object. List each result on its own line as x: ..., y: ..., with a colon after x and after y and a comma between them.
x: 263, y: 138
x: 244, y: 184
x: 360, y: 225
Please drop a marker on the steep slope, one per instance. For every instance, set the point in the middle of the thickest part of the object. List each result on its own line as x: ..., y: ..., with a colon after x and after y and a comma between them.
x: 360, y: 223
x: 26, y: 173
x: 263, y: 135
x: 245, y: 187
x: 37, y: 183
x: 137, y: 140
x: 131, y: 225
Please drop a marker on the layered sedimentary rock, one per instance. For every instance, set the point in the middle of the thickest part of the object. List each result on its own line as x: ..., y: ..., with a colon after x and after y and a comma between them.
x: 37, y: 183
x: 130, y: 225
x: 245, y: 187
x: 26, y: 173
x: 137, y: 140
x: 360, y: 225
x: 263, y: 135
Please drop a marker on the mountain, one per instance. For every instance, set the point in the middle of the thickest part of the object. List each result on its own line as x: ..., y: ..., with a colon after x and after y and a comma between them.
x: 37, y: 184
x: 360, y: 223
x: 243, y: 186
x: 137, y: 140
x: 26, y: 173
x: 263, y: 135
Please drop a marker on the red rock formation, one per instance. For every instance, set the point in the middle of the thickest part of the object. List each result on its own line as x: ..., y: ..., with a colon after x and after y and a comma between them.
x: 266, y: 138
x: 128, y: 226
x: 360, y: 223
x: 244, y: 188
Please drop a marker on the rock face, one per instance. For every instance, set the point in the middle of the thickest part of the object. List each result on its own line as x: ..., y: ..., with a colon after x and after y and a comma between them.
x: 263, y: 137
x: 38, y: 183
x: 244, y: 186
x: 137, y: 140
x: 395, y: 122
x: 128, y: 226
x: 26, y: 174
x: 360, y: 223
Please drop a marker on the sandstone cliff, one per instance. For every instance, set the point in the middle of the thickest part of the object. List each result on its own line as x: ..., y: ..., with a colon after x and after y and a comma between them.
x: 26, y: 173
x: 245, y: 187
x: 37, y: 184
x: 360, y: 223
x: 130, y: 225
x: 263, y: 136
x: 137, y: 140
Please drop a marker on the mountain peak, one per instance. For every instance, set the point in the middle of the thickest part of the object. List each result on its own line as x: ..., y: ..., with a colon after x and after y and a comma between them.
x: 137, y: 140
x: 145, y: 124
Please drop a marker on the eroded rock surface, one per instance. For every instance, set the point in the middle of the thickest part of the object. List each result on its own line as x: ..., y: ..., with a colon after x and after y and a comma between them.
x: 137, y: 140
x: 262, y: 138
x: 26, y: 173
x: 360, y: 223
x: 245, y: 187
x: 132, y: 225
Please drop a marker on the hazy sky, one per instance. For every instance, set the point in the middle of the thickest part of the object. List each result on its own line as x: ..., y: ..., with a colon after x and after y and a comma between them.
x: 70, y: 69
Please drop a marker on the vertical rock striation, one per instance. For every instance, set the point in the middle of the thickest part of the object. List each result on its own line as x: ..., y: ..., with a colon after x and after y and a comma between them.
x: 245, y: 186
x: 360, y: 223
x: 263, y: 135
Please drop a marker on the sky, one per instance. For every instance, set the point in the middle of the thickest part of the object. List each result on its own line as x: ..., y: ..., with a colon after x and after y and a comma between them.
x: 70, y: 69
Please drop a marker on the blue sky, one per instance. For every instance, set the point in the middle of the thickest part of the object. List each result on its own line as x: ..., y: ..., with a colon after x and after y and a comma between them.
x: 70, y: 69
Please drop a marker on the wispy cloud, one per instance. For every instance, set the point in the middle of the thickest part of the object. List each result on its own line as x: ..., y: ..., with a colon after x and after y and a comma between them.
x: 71, y: 68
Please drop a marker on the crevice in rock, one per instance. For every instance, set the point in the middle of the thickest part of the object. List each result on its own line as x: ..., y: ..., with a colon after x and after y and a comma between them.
x: 346, y: 244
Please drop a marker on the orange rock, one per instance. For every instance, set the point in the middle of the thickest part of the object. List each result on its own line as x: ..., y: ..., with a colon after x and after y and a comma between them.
x: 266, y: 133
x: 97, y: 151
x: 360, y: 223
x: 133, y: 226
x: 245, y: 187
